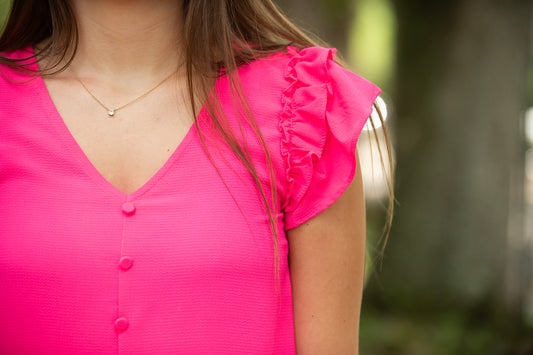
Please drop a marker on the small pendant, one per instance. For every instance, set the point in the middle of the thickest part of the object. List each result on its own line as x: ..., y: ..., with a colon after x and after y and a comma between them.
x: 111, y: 113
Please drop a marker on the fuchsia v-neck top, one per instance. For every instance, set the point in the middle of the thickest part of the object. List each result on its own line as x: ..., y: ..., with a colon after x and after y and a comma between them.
x: 185, y: 264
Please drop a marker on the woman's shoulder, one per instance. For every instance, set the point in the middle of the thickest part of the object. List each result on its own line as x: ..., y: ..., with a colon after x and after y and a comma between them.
x: 313, y: 68
x: 22, y: 55
x: 281, y: 67
x: 10, y: 74
x: 305, y: 84
x: 319, y: 109
x: 286, y: 56
x: 17, y: 85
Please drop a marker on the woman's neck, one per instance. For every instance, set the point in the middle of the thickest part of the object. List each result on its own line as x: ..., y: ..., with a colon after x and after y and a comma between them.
x: 128, y: 40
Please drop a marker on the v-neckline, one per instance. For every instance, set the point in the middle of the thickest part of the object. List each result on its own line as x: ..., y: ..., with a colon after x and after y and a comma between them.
x: 74, y: 147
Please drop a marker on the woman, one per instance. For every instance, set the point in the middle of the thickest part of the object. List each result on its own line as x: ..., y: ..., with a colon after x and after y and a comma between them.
x: 165, y: 164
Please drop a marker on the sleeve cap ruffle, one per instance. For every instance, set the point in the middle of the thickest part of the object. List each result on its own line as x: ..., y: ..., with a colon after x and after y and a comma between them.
x: 325, y: 108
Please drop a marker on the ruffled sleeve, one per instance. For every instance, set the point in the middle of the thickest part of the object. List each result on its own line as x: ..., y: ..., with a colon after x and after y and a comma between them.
x: 324, y: 110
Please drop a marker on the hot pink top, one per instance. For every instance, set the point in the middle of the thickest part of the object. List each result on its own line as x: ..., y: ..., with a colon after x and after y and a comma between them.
x: 184, y: 264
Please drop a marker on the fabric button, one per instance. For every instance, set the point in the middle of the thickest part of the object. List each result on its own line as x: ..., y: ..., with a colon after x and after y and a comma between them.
x: 128, y: 208
x: 125, y: 262
x: 122, y: 324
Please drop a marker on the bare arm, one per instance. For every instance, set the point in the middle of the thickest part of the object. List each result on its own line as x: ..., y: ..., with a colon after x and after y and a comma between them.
x: 326, y: 261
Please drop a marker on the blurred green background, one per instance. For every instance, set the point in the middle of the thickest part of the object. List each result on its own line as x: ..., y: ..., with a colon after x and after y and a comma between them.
x: 457, y: 80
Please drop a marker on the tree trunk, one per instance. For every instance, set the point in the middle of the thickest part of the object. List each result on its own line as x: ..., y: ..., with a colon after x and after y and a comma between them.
x: 459, y: 99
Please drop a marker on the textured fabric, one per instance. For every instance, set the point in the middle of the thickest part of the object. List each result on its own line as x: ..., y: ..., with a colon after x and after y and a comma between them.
x: 185, y: 264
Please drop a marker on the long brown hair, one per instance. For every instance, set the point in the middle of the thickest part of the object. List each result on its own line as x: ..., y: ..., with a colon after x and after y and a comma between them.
x: 218, y: 34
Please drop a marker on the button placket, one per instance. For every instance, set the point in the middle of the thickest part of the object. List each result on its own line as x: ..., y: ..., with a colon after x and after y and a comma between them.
x: 121, y: 324
x: 128, y: 208
x: 125, y: 263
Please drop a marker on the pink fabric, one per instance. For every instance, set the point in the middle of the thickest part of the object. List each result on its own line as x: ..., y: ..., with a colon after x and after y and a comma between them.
x: 183, y: 265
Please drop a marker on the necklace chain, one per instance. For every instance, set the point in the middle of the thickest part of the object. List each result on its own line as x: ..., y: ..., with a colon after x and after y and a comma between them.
x: 110, y: 111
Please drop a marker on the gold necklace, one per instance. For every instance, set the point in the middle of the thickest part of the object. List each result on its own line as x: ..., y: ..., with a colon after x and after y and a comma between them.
x: 111, y: 111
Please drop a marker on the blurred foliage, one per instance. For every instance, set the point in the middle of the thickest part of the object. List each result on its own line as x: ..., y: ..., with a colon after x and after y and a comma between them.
x: 371, y: 46
x: 370, y: 52
x: 4, y: 8
x: 438, y: 333
x: 437, y: 320
x: 530, y: 86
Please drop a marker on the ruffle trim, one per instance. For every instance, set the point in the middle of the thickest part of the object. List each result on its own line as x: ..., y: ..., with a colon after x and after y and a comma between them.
x: 303, y: 119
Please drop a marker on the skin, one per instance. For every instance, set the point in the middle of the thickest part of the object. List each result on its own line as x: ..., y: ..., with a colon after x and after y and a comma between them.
x: 326, y: 260
x: 125, y: 49
x: 128, y: 46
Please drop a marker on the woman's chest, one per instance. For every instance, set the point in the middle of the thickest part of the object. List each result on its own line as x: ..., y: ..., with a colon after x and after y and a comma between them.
x: 166, y: 267
x: 53, y: 197
x: 128, y: 147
